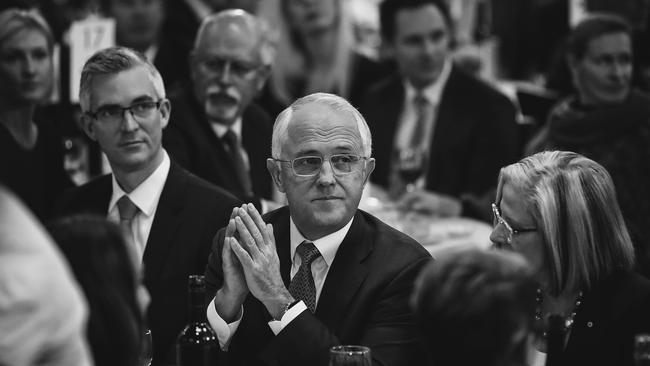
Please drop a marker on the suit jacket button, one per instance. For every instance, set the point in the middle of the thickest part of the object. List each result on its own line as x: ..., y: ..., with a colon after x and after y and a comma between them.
x: 590, y: 324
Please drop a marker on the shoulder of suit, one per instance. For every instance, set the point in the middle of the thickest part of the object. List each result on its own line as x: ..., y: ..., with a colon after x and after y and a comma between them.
x: 471, y: 85
x: 388, y: 238
x: 254, y: 114
x: 203, y: 189
x: 80, y: 198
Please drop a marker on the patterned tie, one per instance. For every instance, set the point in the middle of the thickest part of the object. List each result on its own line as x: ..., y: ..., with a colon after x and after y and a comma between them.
x: 232, y: 145
x: 420, y: 106
x: 302, y: 284
x: 128, y: 210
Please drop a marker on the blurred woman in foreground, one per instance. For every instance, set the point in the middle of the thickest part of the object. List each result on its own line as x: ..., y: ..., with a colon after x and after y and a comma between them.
x: 559, y: 210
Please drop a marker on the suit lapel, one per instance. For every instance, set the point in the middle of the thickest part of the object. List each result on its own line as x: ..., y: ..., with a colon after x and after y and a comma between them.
x: 165, y: 223
x: 283, y: 245
x: 346, y: 275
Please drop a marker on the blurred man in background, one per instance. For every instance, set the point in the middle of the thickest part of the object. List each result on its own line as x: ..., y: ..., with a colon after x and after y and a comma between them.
x: 453, y: 131
x: 215, y: 131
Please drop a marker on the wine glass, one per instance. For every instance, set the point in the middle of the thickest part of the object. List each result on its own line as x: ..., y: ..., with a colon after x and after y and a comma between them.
x: 146, y: 349
x: 642, y: 349
x: 350, y: 356
x: 410, y: 165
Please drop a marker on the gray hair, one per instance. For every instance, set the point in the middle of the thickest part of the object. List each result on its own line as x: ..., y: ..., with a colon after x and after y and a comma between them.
x: 334, y: 102
x: 257, y: 25
x: 111, y: 61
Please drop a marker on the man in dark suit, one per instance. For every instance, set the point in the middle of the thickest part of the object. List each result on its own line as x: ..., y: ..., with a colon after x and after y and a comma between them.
x: 320, y: 273
x: 139, y: 25
x: 168, y: 215
x: 463, y: 130
x: 215, y: 132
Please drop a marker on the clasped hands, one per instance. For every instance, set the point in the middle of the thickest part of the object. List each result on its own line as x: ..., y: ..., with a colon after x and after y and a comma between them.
x: 250, y: 264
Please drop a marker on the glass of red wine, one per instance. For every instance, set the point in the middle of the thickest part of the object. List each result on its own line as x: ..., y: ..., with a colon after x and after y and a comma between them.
x: 410, y: 162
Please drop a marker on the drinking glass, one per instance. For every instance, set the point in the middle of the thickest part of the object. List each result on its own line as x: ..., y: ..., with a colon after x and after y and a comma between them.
x: 146, y: 349
x: 410, y: 163
x: 350, y: 356
x: 642, y: 350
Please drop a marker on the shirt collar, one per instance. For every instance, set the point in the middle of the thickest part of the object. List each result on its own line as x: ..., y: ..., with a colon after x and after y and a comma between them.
x: 146, y: 195
x: 327, y: 245
x: 220, y: 129
x: 433, y: 91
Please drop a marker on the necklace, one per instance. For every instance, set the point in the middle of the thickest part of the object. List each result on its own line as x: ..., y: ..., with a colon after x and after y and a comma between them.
x: 568, y: 321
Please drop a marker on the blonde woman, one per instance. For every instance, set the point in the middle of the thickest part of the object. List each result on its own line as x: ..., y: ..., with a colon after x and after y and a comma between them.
x: 559, y: 210
x: 31, y: 154
x: 316, y: 51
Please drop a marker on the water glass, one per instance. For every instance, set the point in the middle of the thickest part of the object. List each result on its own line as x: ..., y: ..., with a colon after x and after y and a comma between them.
x: 350, y: 356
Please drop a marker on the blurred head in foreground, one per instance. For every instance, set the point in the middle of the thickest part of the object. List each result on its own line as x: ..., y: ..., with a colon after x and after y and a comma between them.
x: 476, y: 307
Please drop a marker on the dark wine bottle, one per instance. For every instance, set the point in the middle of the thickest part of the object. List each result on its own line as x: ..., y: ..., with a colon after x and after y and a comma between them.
x: 197, y: 344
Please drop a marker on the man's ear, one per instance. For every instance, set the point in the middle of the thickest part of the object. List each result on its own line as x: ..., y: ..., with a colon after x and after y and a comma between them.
x: 262, y: 76
x: 370, y: 166
x: 88, y: 127
x: 165, y: 111
x: 274, y: 169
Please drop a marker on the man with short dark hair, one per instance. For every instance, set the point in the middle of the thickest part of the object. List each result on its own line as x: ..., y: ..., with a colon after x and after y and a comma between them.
x: 139, y: 25
x: 433, y: 119
x: 318, y: 272
x: 215, y: 131
x: 167, y: 214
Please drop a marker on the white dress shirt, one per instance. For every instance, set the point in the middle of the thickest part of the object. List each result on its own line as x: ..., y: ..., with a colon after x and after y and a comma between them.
x: 327, y: 246
x: 408, y: 119
x: 145, y: 196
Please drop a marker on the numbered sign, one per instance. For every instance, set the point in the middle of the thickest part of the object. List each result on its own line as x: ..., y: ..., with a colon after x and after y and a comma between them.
x: 87, y: 37
x: 577, y: 11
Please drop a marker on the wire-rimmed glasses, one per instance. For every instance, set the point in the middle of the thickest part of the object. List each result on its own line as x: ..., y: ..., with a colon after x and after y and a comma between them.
x: 511, y: 232
x: 112, y: 114
x: 309, y: 166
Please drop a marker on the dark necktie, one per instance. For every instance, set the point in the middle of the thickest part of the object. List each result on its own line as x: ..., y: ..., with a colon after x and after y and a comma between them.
x: 232, y: 145
x: 128, y: 210
x: 302, y: 284
x: 420, y: 105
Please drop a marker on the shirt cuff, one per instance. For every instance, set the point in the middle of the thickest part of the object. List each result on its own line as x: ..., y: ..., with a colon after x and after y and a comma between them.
x: 293, y: 312
x: 224, y: 330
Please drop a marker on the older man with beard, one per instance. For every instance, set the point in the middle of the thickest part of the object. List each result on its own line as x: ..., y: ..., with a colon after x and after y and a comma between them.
x: 215, y: 131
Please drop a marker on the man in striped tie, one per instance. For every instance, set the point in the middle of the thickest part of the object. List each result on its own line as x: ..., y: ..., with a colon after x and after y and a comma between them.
x: 167, y: 214
x: 318, y: 272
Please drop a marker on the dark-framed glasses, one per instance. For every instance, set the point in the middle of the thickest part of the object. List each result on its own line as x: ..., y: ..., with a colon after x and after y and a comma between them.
x: 112, y: 114
x: 238, y: 68
x: 510, y: 231
x: 309, y: 166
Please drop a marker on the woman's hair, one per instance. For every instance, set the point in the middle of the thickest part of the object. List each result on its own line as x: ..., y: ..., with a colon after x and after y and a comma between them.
x: 14, y: 20
x: 573, y: 202
x: 291, y: 54
x: 475, y: 307
x: 103, y: 266
x: 594, y: 26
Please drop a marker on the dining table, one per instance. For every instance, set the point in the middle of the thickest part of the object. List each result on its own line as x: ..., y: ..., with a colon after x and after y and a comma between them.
x: 439, y: 235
